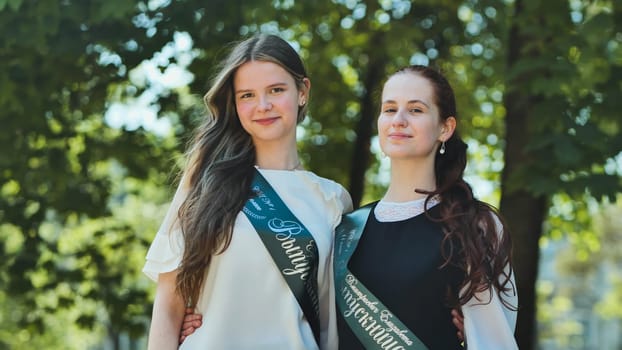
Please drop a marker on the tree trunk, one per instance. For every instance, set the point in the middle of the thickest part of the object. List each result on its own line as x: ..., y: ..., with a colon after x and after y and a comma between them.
x: 114, y: 338
x: 524, y: 212
x: 524, y: 215
x: 361, y: 154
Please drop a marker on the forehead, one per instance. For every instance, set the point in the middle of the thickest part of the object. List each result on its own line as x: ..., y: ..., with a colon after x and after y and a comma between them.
x: 407, y: 86
x: 256, y: 74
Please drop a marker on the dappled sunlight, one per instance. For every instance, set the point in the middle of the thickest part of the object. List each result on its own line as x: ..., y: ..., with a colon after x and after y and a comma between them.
x: 99, y: 99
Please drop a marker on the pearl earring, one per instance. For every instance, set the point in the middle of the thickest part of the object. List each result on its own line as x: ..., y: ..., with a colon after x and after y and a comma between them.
x: 442, y: 150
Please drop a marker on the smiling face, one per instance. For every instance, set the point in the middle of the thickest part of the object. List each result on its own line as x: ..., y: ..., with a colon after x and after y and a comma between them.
x: 267, y: 101
x: 409, y: 125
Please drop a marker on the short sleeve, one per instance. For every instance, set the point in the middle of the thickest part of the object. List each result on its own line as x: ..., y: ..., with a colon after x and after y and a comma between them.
x: 166, y: 250
x: 346, y: 200
x: 335, y: 195
x: 343, y: 203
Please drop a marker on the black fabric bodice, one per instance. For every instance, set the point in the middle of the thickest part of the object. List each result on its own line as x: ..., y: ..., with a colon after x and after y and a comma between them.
x: 399, y: 262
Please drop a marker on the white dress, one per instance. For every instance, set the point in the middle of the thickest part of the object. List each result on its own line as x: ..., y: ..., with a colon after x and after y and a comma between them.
x: 245, y: 301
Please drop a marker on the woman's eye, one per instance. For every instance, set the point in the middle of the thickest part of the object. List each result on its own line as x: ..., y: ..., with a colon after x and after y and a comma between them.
x: 416, y: 110
x: 245, y: 96
x: 389, y: 110
x: 276, y: 90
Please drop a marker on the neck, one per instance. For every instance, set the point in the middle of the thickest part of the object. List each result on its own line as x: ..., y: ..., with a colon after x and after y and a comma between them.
x: 408, y: 175
x: 279, y: 157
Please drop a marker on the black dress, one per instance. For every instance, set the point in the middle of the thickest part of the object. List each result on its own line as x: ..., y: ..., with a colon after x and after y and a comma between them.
x: 399, y: 262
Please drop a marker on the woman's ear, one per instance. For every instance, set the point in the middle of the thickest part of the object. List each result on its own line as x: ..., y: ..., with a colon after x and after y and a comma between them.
x: 447, y: 129
x: 303, y: 96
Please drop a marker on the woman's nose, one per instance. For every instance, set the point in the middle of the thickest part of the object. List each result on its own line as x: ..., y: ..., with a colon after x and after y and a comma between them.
x: 399, y: 119
x: 264, y: 104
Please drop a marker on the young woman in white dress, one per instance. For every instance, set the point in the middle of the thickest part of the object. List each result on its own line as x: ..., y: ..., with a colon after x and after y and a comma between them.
x: 209, y: 255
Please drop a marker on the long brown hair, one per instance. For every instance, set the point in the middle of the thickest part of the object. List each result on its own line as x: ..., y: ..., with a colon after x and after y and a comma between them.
x: 471, y: 241
x: 220, y: 162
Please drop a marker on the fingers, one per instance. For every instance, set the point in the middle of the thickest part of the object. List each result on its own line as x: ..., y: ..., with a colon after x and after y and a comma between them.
x: 457, y: 313
x: 460, y: 336
x: 187, y: 331
x: 193, y: 318
x: 191, y: 322
x: 189, y: 327
x: 458, y: 321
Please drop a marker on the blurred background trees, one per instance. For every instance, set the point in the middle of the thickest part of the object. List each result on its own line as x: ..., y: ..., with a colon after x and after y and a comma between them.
x: 98, y: 98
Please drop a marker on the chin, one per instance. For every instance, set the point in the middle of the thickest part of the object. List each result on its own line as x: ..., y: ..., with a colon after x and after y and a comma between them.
x: 397, y: 153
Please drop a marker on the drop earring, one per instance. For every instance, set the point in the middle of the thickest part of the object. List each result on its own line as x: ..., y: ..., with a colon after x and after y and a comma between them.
x: 442, y: 150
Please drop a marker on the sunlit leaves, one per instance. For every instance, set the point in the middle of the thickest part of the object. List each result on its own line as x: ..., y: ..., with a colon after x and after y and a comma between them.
x: 79, y: 196
x: 610, y: 307
x: 556, y: 324
x: 587, y: 265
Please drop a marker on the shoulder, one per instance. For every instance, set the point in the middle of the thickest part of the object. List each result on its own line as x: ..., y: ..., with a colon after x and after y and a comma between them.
x: 332, y: 189
x: 363, y: 211
x: 324, y: 182
x: 491, y: 220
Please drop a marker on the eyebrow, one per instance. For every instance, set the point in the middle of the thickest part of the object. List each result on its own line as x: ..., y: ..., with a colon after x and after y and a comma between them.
x: 409, y: 102
x: 268, y: 87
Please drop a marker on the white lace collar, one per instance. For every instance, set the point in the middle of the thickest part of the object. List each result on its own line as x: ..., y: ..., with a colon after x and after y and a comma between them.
x: 399, y: 211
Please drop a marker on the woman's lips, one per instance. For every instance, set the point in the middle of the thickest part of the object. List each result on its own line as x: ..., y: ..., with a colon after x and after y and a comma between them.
x: 266, y: 121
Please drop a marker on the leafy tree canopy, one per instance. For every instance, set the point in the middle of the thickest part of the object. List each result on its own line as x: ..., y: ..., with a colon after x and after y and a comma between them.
x: 69, y: 178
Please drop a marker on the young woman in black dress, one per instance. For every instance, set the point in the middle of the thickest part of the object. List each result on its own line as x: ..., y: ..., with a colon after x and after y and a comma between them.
x: 402, y: 264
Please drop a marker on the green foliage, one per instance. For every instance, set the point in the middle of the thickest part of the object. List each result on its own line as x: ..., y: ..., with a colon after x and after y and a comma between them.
x: 59, y: 62
x: 610, y: 307
x: 588, y: 266
x: 80, y: 199
x: 16, y: 330
x: 558, y: 328
x: 609, y: 224
x: 567, y: 78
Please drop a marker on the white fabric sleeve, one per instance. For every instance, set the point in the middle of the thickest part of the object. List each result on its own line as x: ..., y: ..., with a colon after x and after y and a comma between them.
x: 167, y: 248
x: 346, y: 200
x: 488, y: 323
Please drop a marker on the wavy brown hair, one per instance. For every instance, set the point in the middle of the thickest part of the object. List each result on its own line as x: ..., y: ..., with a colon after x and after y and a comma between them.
x: 220, y: 162
x: 471, y: 241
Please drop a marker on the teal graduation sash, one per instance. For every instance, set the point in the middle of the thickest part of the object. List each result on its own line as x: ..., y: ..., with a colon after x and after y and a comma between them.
x: 290, y: 244
x: 375, y: 326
